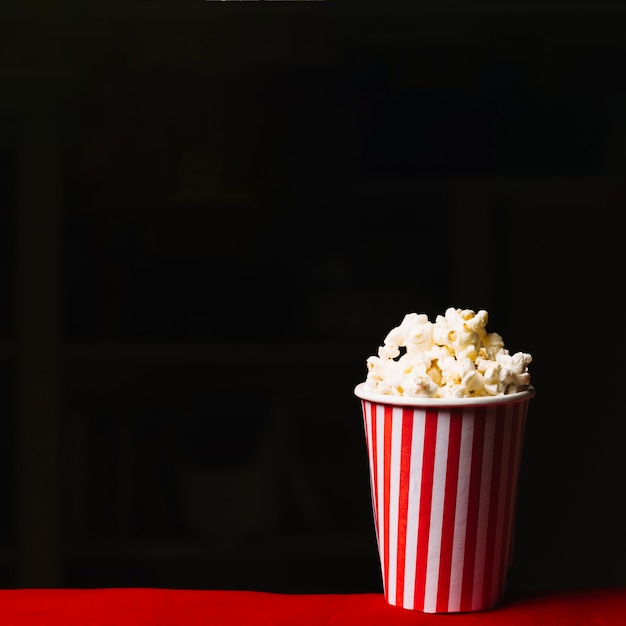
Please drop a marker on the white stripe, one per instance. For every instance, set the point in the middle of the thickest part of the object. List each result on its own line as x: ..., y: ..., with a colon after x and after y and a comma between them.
x: 483, y: 508
x: 380, y: 462
x: 415, y: 487
x: 436, y: 511
x: 462, y: 504
x: 394, y: 498
x: 504, y: 484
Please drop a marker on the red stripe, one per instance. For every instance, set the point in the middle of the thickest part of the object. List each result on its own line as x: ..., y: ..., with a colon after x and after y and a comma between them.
x: 449, y: 509
x: 493, y: 504
x: 471, y: 530
x: 386, y: 486
x: 375, y: 470
x: 426, y: 494
x: 403, y: 499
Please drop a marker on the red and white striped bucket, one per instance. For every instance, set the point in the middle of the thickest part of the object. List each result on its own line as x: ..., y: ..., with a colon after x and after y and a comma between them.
x: 444, y: 476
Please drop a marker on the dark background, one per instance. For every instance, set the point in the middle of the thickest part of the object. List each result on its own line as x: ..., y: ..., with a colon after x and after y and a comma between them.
x: 211, y: 215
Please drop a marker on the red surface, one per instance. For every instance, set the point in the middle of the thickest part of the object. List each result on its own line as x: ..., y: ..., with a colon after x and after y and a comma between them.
x: 169, y: 607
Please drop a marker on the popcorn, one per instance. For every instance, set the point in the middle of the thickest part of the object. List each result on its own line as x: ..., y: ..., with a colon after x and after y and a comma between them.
x: 455, y: 357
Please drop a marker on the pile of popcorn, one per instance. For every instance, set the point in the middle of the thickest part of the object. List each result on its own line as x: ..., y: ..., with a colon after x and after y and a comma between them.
x: 454, y: 357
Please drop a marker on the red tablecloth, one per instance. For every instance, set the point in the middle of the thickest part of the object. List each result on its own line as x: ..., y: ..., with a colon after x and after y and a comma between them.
x: 175, y: 607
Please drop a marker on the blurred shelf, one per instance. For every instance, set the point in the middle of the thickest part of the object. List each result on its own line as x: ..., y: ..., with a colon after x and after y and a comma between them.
x: 301, y: 546
x: 8, y: 556
x: 227, y: 353
x: 7, y: 350
x: 176, y: 8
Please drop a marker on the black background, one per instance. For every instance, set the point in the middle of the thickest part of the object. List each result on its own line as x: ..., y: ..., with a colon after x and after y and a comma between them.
x: 213, y: 213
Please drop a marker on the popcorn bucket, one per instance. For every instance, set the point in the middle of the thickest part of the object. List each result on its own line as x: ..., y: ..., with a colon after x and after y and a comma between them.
x: 444, y: 476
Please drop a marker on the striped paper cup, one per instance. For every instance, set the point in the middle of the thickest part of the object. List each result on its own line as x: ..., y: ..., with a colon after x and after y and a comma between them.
x: 444, y: 476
